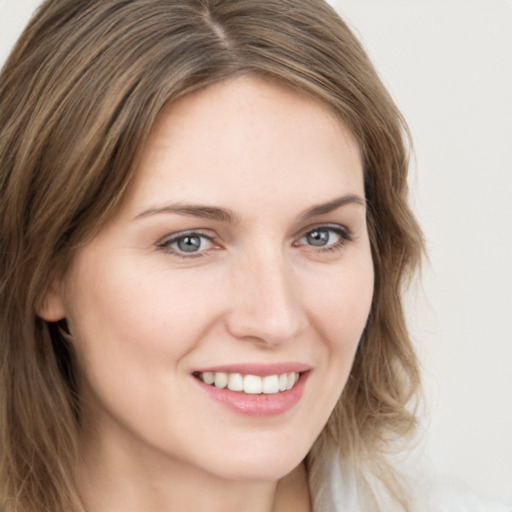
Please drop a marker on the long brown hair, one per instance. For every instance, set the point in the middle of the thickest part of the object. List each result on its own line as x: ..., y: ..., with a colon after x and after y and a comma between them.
x: 78, y: 97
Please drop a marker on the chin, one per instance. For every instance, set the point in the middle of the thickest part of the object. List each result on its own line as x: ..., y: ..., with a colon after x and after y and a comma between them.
x: 267, y: 464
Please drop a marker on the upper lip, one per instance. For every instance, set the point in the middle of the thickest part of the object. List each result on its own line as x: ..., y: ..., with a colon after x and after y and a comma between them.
x: 261, y: 369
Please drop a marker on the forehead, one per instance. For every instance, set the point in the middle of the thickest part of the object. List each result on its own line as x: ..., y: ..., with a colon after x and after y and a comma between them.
x: 239, y: 136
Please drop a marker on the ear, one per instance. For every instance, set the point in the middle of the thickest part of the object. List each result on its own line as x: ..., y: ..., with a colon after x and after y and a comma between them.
x: 51, y: 306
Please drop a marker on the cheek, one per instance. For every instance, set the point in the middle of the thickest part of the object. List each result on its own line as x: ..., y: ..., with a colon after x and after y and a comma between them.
x: 122, y: 315
x: 342, y: 306
x: 339, y: 314
x: 133, y: 329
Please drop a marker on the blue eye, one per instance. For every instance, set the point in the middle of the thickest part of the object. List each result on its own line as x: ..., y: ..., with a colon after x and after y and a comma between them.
x: 325, y: 237
x: 184, y: 244
x: 318, y: 237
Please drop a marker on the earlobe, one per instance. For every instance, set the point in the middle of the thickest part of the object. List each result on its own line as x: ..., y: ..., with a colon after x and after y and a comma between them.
x: 51, y: 307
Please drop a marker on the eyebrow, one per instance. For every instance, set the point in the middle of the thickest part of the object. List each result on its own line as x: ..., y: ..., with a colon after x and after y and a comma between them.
x: 194, y: 210
x: 324, y: 208
x: 226, y: 215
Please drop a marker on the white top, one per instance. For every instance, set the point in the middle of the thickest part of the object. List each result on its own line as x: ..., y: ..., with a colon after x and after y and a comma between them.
x: 339, y: 494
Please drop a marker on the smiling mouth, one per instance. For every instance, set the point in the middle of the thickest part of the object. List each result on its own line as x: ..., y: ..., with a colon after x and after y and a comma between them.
x: 250, y: 384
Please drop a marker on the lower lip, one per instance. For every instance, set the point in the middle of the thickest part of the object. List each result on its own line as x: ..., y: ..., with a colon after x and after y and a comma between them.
x: 262, y: 405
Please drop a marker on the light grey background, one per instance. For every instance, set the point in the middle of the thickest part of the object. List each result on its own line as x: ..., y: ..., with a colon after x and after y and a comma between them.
x: 448, y: 63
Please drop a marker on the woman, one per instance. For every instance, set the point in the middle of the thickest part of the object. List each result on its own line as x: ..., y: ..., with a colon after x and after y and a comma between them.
x: 204, y: 234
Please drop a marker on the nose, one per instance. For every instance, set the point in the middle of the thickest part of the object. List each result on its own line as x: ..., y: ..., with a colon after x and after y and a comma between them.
x: 265, y: 301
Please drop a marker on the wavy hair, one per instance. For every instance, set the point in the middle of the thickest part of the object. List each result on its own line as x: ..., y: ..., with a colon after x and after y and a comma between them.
x: 79, y: 95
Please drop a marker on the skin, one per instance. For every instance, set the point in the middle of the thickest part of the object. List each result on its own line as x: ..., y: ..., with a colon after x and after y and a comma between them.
x: 144, y: 315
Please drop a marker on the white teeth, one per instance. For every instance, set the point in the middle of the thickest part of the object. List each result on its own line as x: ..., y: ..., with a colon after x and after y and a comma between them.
x: 208, y: 377
x: 236, y: 382
x: 251, y: 384
x: 271, y: 384
x: 221, y: 380
x: 283, y: 380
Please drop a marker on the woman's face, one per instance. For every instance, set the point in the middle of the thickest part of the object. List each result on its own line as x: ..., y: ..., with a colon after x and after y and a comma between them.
x: 241, y: 256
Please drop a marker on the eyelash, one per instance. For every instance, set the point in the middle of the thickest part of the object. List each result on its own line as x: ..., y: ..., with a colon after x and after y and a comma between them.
x: 344, y: 236
x: 343, y: 233
x: 166, y: 244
